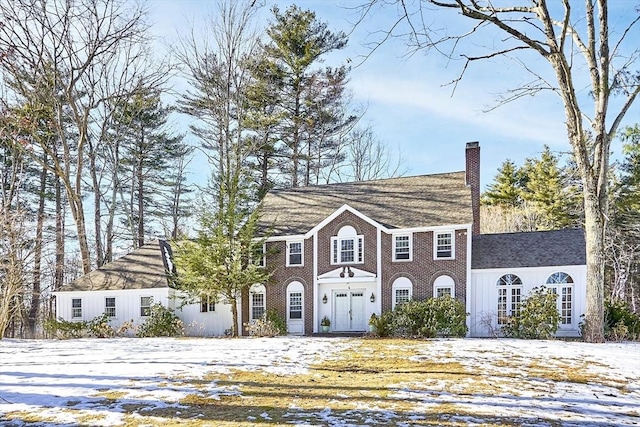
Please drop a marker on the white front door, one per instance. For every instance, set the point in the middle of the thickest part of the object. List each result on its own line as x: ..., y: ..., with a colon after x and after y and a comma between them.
x: 348, y: 313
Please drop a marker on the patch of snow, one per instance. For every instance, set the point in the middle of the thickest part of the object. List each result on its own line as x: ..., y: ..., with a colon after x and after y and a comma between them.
x: 52, y: 377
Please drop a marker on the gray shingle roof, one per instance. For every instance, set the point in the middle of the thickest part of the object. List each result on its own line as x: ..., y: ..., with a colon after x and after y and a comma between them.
x: 143, y: 268
x: 533, y: 249
x: 416, y: 201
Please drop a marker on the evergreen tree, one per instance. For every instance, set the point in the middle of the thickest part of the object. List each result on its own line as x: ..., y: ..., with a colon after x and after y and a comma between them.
x: 506, y: 190
x: 310, y: 104
x: 545, y: 188
x: 541, y: 195
x: 148, y: 152
x: 623, y: 232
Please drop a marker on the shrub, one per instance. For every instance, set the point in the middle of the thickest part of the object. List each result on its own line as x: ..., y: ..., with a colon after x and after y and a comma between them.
x: 269, y: 325
x: 64, y: 329
x: 451, y: 318
x: 620, y: 322
x: 381, y: 324
x: 434, y: 317
x: 162, y: 322
x: 538, y: 317
x: 99, y: 327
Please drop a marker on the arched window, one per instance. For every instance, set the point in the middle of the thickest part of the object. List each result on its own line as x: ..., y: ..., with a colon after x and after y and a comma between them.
x: 444, y: 285
x: 257, y: 301
x: 402, y: 289
x: 509, y: 297
x: 561, y: 284
x: 347, y: 247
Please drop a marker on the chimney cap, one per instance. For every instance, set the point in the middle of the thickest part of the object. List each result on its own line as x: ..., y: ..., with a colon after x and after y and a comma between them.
x: 473, y: 144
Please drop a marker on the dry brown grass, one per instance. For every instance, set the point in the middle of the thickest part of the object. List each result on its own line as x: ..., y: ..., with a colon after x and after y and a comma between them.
x: 375, y: 382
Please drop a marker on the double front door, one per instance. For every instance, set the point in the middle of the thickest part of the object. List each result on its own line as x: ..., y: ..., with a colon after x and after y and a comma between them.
x: 349, y: 306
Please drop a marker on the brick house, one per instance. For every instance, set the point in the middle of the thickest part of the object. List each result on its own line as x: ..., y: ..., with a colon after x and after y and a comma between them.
x: 348, y: 250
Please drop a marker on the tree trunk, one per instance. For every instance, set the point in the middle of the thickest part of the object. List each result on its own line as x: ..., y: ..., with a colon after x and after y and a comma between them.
x: 97, y: 206
x: 234, y: 315
x: 60, y: 241
x: 37, y: 262
x: 140, y: 180
x: 594, y: 235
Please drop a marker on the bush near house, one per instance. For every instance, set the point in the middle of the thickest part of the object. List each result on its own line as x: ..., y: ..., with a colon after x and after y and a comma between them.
x: 162, y: 322
x: 64, y: 329
x: 621, y: 323
x: 269, y: 325
x: 538, y: 317
x: 434, y: 317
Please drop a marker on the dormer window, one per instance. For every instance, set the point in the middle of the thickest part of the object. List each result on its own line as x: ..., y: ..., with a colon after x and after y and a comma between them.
x: 347, y: 247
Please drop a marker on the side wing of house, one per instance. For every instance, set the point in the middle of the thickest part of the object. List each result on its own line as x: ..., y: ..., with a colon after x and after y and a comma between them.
x: 126, y: 288
x: 507, y: 267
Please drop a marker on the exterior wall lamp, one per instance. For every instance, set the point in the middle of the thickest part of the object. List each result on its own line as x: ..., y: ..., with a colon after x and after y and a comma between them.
x: 372, y: 298
x: 324, y: 299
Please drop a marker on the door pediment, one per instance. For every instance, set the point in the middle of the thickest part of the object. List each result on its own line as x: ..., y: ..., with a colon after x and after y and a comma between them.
x: 346, y: 274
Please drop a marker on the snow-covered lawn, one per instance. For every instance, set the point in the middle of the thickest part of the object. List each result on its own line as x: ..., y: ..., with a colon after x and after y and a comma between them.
x: 318, y: 381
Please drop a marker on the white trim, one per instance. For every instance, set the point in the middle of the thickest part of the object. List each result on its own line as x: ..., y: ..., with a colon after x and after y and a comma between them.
x: 368, y: 220
x: 336, y: 213
x: 378, y: 302
x: 435, y: 244
x: 336, y: 251
x: 451, y: 286
x: 253, y: 290
x: 315, y: 292
x: 543, y: 269
x: 289, y: 243
x: 333, y: 276
x: 393, y: 247
x: 285, y: 237
x: 468, y: 283
x: 115, y: 306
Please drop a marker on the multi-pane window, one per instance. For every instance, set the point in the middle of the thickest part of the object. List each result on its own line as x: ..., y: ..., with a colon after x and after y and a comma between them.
x: 402, y: 296
x: 294, y: 253
x: 509, y: 297
x: 257, y: 305
x: 110, y: 306
x: 76, y: 307
x: 347, y: 250
x: 145, y: 306
x: 295, y: 305
x: 444, y: 245
x: 562, y: 285
x: 566, y: 305
x: 442, y: 292
x: 402, y: 247
x: 207, y: 304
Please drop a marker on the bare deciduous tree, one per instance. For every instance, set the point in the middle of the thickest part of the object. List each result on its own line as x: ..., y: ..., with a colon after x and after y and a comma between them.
x: 368, y: 158
x: 579, y: 45
x: 75, y: 46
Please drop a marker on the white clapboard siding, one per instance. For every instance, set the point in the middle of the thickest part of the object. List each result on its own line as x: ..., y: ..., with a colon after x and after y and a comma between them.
x: 483, y: 294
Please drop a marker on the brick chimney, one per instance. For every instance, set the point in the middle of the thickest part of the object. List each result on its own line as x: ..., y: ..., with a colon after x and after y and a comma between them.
x: 472, y: 156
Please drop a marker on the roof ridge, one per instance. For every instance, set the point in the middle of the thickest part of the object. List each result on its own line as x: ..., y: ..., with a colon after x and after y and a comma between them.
x: 369, y: 181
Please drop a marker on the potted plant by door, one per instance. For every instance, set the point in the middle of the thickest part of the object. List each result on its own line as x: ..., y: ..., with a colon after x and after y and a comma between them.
x: 373, y: 323
x: 325, y: 323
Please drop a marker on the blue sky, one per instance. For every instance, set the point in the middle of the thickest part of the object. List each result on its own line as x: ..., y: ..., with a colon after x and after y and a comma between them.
x: 409, y: 104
